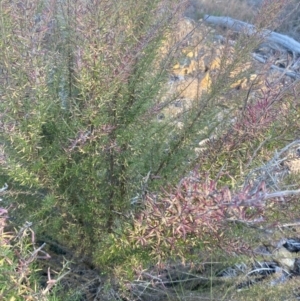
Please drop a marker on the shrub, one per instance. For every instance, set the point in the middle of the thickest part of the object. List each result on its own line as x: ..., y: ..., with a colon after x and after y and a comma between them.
x: 80, y: 91
x: 76, y: 105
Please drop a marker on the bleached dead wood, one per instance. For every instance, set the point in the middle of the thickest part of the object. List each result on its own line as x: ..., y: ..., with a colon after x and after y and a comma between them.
x: 284, y: 41
x: 291, y: 74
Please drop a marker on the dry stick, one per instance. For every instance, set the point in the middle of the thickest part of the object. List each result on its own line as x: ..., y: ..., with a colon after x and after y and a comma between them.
x: 4, y: 187
x: 52, y: 282
x: 265, y: 196
x: 278, y: 154
x: 291, y: 74
x: 256, y: 151
x: 290, y: 225
x: 276, y: 158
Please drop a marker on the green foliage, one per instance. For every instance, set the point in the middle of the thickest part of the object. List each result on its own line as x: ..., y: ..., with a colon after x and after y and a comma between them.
x: 78, y: 104
x: 78, y: 111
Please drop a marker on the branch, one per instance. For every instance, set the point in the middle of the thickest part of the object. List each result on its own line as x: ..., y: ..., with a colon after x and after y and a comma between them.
x: 261, y: 197
x: 4, y: 187
x: 291, y: 74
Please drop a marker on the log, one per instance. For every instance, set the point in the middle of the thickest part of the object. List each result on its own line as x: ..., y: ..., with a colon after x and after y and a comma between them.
x: 239, y: 26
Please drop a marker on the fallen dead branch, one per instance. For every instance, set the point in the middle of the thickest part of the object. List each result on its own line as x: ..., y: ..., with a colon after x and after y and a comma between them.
x: 272, y: 41
x: 291, y: 74
x: 242, y: 27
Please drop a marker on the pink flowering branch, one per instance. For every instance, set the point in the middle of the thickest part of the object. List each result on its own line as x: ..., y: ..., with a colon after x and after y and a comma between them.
x: 197, y: 208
